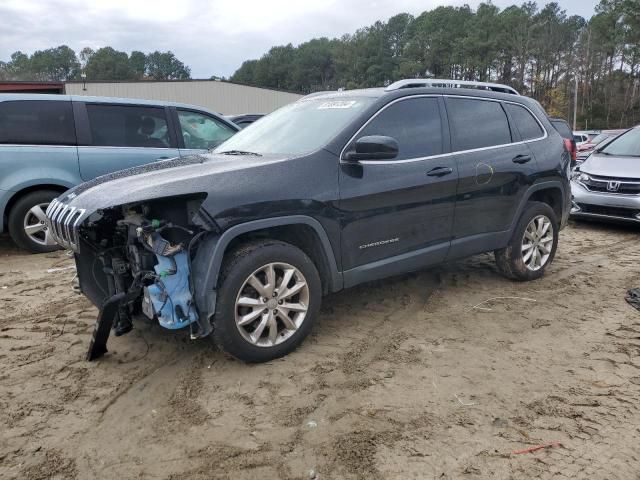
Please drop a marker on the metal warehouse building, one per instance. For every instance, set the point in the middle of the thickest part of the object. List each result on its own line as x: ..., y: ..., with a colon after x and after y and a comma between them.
x: 223, y: 97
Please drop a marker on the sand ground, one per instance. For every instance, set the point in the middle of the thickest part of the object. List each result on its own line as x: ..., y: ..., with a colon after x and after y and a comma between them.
x: 405, y: 378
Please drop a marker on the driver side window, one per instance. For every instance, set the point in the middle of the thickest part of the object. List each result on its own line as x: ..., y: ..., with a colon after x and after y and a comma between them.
x: 414, y: 123
x: 201, y: 131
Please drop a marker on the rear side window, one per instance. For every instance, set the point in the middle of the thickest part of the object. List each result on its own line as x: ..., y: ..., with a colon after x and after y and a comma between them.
x: 128, y: 126
x: 528, y: 126
x: 414, y: 123
x: 37, y: 122
x: 477, y: 123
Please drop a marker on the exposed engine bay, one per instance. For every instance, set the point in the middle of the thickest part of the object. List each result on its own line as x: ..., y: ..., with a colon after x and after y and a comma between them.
x: 135, y: 260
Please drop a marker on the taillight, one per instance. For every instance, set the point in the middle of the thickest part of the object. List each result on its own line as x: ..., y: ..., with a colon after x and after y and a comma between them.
x: 568, y: 144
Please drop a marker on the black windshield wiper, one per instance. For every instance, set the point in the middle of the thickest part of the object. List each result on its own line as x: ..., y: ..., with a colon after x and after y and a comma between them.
x: 240, y: 152
x: 619, y: 154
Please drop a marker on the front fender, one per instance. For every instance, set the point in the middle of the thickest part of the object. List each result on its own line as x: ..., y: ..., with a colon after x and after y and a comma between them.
x: 208, y: 261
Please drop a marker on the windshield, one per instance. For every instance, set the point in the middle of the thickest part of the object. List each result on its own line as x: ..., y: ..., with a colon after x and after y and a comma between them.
x: 301, y: 127
x: 600, y: 137
x: 626, y: 145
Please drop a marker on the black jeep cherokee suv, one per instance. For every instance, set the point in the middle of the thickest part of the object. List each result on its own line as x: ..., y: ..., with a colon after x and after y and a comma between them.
x: 336, y: 189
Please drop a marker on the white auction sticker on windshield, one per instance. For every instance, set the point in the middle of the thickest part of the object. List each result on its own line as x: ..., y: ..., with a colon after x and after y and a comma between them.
x: 337, y: 104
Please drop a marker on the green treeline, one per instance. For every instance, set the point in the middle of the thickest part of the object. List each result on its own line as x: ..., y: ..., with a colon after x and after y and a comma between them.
x: 62, y: 63
x: 540, y: 52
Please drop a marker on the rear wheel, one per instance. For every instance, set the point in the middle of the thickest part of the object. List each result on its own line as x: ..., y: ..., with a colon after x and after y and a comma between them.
x: 533, y: 244
x: 27, y: 225
x: 268, y: 301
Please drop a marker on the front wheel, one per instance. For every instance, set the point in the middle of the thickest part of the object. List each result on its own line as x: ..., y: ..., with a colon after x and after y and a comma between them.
x: 268, y: 300
x: 27, y: 225
x: 533, y: 244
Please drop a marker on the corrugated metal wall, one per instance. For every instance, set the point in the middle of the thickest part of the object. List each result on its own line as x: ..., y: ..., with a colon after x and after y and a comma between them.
x: 222, y: 97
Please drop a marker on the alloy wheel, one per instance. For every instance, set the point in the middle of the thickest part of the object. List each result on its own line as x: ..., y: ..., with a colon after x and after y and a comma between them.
x: 537, y: 242
x: 272, y: 304
x: 35, y: 225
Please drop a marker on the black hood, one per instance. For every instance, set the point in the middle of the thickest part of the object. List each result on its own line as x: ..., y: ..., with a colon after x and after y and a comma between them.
x: 147, y: 167
x: 179, y: 176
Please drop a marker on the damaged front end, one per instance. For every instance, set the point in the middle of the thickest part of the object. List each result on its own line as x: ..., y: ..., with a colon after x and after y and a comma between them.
x: 135, y: 260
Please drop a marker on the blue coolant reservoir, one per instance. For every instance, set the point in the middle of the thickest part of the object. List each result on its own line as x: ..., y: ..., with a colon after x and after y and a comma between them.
x: 170, y: 295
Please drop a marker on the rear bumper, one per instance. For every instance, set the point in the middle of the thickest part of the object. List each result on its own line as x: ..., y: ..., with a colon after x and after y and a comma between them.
x: 599, y: 205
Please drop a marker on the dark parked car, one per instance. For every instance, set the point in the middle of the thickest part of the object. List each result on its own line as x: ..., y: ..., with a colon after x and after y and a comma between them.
x: 244, y: 121
x: 331, y: 191
x: 566, y: 133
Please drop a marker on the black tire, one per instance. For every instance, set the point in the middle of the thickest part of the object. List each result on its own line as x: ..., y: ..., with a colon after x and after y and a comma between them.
x: 237, y: 267
x: 16, y: 220
x: 510, y: 260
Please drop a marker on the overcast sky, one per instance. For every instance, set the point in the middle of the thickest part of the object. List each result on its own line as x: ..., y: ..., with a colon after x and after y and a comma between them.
x: 213, y: 37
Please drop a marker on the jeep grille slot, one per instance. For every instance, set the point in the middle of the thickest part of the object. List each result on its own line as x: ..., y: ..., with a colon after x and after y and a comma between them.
x: 62, y: 221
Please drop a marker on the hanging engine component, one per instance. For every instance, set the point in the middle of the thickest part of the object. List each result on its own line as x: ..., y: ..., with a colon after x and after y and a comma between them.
x: 169, y: 298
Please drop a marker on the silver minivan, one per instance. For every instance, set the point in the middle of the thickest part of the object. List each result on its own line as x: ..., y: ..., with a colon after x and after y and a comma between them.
x: 49, y: 143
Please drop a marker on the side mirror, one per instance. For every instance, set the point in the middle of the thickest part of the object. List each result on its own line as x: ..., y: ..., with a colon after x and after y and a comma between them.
x: 373, y: 147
